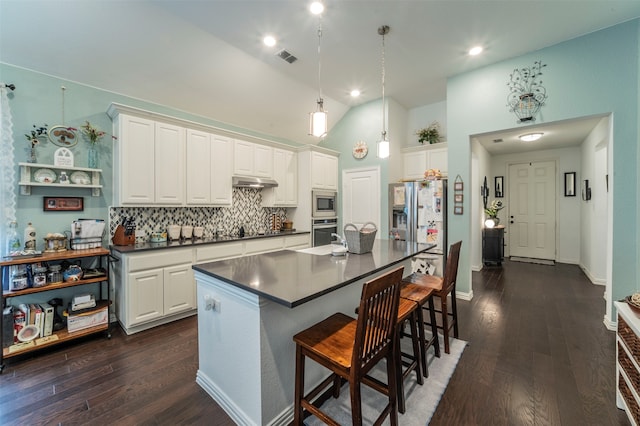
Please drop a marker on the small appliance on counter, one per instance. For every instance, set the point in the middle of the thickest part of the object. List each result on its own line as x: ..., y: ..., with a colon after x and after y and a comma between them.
x: 125, y: 234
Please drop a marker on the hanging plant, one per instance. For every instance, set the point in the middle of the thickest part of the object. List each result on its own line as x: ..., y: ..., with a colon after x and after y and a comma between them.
x: 429, y: 134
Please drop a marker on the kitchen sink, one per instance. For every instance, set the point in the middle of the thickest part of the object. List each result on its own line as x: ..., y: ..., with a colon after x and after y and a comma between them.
x: 320, y: 250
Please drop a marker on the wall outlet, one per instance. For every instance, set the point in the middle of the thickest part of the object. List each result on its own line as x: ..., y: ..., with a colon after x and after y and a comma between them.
x: 211, y: 304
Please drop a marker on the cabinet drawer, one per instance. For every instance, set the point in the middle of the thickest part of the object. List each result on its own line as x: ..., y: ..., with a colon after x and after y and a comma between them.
x: 159, y: 259
x: 218, y: 251
x: 296, y: 240
x: 263, y: 245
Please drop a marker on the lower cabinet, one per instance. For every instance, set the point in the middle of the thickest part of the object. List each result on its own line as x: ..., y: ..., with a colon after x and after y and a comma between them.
x: 154, y: 288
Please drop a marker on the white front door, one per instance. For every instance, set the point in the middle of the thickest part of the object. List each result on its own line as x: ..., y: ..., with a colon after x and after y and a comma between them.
x: 532, y: 210
x: 361, y: 196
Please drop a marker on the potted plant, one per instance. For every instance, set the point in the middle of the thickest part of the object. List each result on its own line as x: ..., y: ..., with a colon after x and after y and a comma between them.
x: 429, y: 134
x: 493, y: 209
x: 93, y: 134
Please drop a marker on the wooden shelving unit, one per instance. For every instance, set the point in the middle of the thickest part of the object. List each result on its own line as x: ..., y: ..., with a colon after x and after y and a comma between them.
x: 62, y: 335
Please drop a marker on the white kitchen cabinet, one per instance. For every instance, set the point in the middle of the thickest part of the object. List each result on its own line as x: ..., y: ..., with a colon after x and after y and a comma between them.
x: 133, y: 162
x: 169, y: 164
x: 285, y: 172
x: 199, y: 170
x: 251, y: 159
x: 148, y: 161
x: 208, y: 171
x: 418, y: 160
x: 153, y: 288
x: 324, y: 171
x: 222, y: 163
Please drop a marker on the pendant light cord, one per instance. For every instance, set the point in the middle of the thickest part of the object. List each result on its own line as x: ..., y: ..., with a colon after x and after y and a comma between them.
x: 63, y: 89
x: 319, y: 59
x: 384, y: 132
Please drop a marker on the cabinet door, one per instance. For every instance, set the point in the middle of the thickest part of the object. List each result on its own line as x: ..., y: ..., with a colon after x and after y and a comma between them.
x: 169, y: 164
x: 243, y: 158
x: 136, y: 177
x: 198, y: 167
x: 222, y: 164
x: 438, y: 159
x: 331, y: 176
x: 179, y: 289
x: 290, y: 178
x: 262, y: 161
x: 415, y: 164
x: 146, y: 296
x: 324, y: 171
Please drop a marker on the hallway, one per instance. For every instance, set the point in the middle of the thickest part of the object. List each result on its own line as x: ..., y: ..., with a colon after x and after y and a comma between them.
x: 539, y: 353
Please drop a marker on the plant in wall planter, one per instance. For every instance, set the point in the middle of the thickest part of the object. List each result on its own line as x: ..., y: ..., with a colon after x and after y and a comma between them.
x: 93, y: 134
x: 430, y: 134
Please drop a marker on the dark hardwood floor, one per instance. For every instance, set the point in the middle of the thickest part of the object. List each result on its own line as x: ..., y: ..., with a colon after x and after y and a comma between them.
x: 538, y: 355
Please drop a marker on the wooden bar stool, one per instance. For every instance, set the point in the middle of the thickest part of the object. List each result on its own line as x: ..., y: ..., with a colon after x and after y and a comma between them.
x: 422, y: 296
x: 442, y: 287
x: 350, y: 348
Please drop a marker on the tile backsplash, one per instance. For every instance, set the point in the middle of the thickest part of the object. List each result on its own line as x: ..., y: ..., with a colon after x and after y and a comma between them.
x: 246, y: 210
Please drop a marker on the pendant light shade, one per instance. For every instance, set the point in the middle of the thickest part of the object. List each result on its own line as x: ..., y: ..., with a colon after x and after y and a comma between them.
x: 319, y: 120
x: 383, y: 145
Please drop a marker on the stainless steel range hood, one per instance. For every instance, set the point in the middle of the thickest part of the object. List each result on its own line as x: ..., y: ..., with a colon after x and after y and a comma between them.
x: 253, y: 182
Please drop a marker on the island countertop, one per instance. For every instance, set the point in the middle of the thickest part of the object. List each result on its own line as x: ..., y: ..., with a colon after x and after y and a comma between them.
x: 292, y: 278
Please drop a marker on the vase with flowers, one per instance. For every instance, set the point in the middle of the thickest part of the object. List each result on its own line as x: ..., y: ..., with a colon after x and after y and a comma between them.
x: 34, y: 139
x: 93, y: 135
x: 493, y: 209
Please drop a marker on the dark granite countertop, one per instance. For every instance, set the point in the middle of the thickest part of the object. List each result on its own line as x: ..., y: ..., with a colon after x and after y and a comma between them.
x: 197, y: 242
x: 292, y: 278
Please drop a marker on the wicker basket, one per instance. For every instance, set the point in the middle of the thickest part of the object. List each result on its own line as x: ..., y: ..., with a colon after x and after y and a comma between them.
x: 360, y: 241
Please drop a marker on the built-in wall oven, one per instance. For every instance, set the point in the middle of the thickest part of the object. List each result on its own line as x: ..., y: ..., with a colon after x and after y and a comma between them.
x: 321, y: 230
x: 325, y: 204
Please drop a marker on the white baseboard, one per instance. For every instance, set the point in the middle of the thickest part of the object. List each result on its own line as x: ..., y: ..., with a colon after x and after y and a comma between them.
x: 593, y: 279
x: 464, y: 295
x: 611, y: 325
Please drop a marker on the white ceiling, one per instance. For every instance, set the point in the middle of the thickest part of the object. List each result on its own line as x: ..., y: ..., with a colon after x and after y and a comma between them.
x: 206, y: 57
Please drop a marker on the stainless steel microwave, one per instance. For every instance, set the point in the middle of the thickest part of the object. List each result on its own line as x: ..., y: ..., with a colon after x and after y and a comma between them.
x: 325, y: 204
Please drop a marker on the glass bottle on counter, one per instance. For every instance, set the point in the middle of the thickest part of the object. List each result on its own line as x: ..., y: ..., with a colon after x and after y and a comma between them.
x: 13, y: 242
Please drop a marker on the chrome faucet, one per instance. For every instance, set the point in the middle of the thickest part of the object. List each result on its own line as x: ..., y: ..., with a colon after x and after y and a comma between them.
x: 340, y: 239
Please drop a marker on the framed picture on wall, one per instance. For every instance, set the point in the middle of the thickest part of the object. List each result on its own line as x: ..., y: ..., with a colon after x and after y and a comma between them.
x: 570, y: 184
x: 499, y: 186
x: 62, y: 204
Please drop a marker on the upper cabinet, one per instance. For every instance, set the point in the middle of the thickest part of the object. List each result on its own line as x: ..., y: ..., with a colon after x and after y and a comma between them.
x: 148, y: 162
x: 418, y: 160
x: 324, y: 171
x: 285, y: 172
x: 252, y: 159
x: 208, y: 172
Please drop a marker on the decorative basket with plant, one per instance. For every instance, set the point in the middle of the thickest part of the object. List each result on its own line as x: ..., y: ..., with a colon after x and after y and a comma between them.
x: 429, y: 134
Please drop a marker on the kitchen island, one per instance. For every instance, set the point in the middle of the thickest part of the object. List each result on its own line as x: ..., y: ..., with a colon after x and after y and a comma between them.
x: 249, y: 308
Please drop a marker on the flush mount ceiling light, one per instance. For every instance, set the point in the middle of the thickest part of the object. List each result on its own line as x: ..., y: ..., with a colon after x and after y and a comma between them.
x: 476, y: 50
x: 355, y: 93
x: 316, y: 7
x: 269, y: 41
x: 383, y: 145
x: 318, y: 121
x: 530, y: 137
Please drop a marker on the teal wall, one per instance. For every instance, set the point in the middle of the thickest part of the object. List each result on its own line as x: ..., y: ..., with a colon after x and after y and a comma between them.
x: 361, y: 123
x: 593, y: 74
x: 38, y: 100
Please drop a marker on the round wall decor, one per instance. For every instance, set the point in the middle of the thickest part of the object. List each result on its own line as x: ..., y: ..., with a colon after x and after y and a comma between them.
x: 360, y: 150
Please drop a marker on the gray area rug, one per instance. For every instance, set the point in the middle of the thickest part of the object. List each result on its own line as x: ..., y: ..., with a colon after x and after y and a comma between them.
x: 421, y: 401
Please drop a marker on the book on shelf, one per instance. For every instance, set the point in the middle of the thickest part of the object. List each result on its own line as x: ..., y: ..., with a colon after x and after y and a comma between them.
x: 47, y: 327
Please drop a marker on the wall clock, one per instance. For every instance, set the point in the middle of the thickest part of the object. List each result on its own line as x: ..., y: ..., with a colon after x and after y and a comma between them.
x: 360, y: 150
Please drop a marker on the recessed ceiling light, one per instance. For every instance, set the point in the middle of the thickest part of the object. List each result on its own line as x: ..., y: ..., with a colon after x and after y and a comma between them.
x: 316, y: 8
x: 530, y: 137
x: 269, y: 41
x: 475, y: 50
x: 355, y: 93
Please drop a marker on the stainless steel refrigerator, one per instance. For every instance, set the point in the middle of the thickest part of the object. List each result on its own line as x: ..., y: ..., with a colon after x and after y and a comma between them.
x: 418, y: 212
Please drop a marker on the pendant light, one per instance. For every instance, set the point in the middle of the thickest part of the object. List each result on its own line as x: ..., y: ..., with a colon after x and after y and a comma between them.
x: 318, y: 120
x: 383, y: 145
